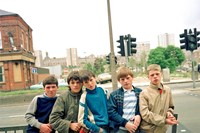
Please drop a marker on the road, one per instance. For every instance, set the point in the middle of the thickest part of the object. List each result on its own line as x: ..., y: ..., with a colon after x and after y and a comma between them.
x: 187, y: 106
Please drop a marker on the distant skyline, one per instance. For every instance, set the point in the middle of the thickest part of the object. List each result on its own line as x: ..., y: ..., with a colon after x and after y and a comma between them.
x: 83, y: 24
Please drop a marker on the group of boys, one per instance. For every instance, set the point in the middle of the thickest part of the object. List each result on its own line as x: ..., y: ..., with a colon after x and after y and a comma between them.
x: 84, y: 107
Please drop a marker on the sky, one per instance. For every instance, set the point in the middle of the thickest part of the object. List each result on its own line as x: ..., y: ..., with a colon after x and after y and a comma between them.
x: 83, y: 24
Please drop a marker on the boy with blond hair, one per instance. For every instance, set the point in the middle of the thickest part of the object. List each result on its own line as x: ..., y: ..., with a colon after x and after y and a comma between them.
x: 123, y: 104
x: 156, y: 105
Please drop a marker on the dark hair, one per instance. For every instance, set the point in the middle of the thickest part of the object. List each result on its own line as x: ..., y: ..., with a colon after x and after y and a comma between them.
x: 50, y: 80
x: 74, y: 75
x: 86, y: 75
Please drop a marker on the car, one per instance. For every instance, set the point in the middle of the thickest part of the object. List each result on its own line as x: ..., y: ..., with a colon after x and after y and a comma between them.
x: 36, y: 86
x: 104, y: 77
x: 61, y: 83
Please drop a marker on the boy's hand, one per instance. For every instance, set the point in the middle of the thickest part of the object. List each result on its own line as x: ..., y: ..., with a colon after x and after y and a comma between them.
x: 45, y: 128
x: 171, y: 120
x: 137, y: 120
x: 131, y: 127
x: 75, y: 126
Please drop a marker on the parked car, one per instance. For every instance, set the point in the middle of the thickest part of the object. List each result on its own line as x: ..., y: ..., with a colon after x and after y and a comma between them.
x: 104, y: 77
x: 36, y: 86
x: 61, y: 83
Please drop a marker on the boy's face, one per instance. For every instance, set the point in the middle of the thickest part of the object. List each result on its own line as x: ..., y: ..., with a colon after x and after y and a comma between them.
x: 126, y: 82
x: 90, y: 84
x: 50, y: 90
x: 75, y: 86
x: 155, y: 77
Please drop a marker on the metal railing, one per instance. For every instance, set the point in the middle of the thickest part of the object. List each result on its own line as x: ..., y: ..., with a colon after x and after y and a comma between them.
x: 15, y: 129
x: 22, y: 128
x: 174, y: 127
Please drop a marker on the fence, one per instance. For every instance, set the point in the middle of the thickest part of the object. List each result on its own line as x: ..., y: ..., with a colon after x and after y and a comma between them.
x: 14, y: 129
x: 22, y: 128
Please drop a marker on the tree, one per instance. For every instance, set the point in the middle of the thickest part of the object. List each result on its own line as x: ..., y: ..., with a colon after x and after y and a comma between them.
x: 99, y: 66
x: 170, y: 57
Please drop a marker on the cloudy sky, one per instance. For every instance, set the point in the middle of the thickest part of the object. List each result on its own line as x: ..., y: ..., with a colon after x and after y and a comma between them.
x: 83, y: 24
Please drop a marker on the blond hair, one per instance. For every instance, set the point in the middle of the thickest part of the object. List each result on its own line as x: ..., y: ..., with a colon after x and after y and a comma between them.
x: 123, y: 72
x: 153, y: 67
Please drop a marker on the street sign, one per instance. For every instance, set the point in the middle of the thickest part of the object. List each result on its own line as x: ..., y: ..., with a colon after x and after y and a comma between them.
x: 34, y: 70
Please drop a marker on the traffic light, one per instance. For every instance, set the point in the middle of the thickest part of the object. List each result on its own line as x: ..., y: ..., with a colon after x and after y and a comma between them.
x: 198, y: 68
x: 184, y: 40
x: 192, y: 44
x: 121, y: 46
x: 108, y: 59
x: 131, y: 45
x: 196, y: 33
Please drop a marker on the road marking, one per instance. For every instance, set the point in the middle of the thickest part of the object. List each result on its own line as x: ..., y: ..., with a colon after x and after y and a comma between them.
x: 13, y: 116
x: 178, y: 91
x: 183, y: 130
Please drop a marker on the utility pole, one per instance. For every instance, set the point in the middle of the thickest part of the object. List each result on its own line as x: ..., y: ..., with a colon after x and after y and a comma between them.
x: 112, y: 54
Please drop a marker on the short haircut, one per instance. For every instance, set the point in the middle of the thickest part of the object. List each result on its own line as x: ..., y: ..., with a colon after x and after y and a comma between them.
x: 123, y: 72
x: 74, y: 75
x: 86, y: 75
x: 50, y: 80
x: 155, y: 67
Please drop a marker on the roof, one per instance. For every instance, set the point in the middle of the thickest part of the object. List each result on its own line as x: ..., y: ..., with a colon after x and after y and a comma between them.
x: 5, y: 13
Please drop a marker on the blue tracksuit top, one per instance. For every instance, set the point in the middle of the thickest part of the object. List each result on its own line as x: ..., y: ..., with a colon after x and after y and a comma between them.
x: 96, y: 102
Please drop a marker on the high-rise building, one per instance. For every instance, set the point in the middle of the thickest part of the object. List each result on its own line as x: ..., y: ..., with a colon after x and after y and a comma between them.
x: 39, y: 58
x: 72, y: 57
x: 166, y: 39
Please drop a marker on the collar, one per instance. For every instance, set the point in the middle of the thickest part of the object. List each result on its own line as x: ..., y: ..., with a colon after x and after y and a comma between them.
x: 75, y: 94
x: 156, y: 86
x: 125, y: 90
x: 91, y: 91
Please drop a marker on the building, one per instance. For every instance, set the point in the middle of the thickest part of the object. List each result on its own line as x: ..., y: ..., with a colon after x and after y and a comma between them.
x: 72, y: 57
x: 39, y: 58
x: 47, y: 61
x: 16, y: 52
x: 166, y: 39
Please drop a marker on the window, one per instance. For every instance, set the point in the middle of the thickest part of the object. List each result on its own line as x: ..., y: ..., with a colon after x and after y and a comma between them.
x: 1, y: 74
x: 0, y: 41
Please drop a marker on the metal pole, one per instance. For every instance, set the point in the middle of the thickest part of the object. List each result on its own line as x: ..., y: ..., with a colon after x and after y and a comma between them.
x: 193, y: 74
x: 126, y: 53
x: 174, y: 127
x: 112, y: 63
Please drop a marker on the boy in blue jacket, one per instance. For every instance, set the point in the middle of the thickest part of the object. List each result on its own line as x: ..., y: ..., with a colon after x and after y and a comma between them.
x: 123, y: 104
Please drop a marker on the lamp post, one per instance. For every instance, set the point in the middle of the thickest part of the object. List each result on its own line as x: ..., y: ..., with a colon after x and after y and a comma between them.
x: 112, y: 59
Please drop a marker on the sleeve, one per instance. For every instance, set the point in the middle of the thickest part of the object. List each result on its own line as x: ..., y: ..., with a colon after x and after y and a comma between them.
x: 148, y: 115
x: 84, y: 115
x: 30, y: 114
x: 112, y: 111
x: 56, y: 117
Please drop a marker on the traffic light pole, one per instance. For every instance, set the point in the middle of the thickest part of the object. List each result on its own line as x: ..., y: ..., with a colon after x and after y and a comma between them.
x: 193, y: 73
x: 126, y: 53
x: 112, y: 61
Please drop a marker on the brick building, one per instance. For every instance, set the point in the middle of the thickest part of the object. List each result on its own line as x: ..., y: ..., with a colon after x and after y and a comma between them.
x: 16, y: 52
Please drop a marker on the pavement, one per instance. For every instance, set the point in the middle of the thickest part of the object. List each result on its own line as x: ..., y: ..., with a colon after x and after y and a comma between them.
x: 138, y: 82
x: 143, y: 81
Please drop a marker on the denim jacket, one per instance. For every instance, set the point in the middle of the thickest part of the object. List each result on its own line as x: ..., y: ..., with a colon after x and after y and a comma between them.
x: 115, y: 108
